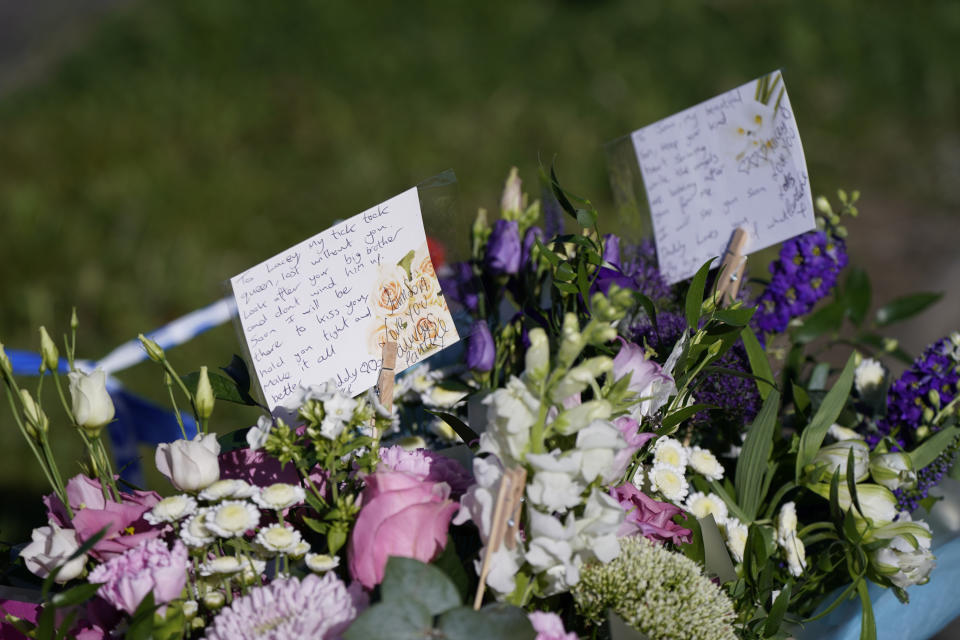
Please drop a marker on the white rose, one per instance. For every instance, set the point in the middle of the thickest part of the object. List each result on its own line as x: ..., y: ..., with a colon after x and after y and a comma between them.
x: 50, y: 547
x: 834, y: 456
x: 191, y: 465
x: 92, y: 406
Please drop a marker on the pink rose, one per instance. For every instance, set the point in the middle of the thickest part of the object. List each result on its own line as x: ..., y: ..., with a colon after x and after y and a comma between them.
x: 149, y: 568
x: 427, y: 465
x: 648, y: 517
x: 402, y: 515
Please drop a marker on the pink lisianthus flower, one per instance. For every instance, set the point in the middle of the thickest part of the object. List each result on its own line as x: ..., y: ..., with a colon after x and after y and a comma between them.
x: 647, y: 378
x: 549, y: 626
x: 648, y: 517
x: 427, y: 465
x: 150, y: 567
x: 630, y: 430
x: 402, y: 515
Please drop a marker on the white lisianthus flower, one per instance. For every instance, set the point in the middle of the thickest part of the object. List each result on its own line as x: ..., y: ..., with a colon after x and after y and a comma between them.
x: 868, y: 374
x: 840, y: 433
x: 705, y: 463
x: 703, y: 504
x: 796, y: 555
x: 735, y: 533
x: 92, y: 406
x: 598, y: 443
x: 321, y: 562
x: 194, y: 532
x: 232, y: 518
x: 280, y: 496
x: 893, y: 470
x: 670, y: 452
x: 786, y: 522
x: 337, y: 412
x: 834, y: 456
x: 904, y: 561
x: 257, y: 434
x: 171, y: 509
x: 229, y: 488
x: 49, y: 548
x: 278, y: 538
x: 670, y: 482
x: 556, y: 485
x: 190, y: 465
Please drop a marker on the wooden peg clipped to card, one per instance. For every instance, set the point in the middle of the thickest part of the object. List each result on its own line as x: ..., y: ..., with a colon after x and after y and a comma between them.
x: 386, y: 379
x: 732, y: 267
x: 505, y: 523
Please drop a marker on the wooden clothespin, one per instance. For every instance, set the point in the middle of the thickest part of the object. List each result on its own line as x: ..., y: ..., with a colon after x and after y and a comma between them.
x: 386, y: 379
x: 505, y: 524
x: 732, y: 267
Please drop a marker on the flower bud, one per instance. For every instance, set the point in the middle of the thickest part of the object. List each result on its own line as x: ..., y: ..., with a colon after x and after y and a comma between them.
x: 5, y: 365
x: 214, y: 600
x: 37, y: 422
x: 893, y: 470
x: 835, y: 455
x: 572, y: 420
x: 48, y: 351
x: 878, y: 503
x: 74, y: 323
x: 152, y: 348
x: 512, y: 198
x: 537, y: 360
x: 934, y: 396
x: 571, y: 341
x: 203, y: 399
x: 92, y: 407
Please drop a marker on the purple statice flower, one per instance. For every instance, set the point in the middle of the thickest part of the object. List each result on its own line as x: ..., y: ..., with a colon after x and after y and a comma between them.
x: 315, y: 607
x: 481, y: 350
x: 503, y: 251
x: 935, y: 371
x: 804, y: 273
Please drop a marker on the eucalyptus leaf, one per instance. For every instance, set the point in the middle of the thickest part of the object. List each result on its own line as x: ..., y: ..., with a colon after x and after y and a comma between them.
x: 501, y: 621
x: 406, y: 578
x: 404, y: 619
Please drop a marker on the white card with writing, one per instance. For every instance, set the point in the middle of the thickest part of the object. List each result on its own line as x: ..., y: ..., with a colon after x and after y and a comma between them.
x: 734, y: 160
x: 321, y: 310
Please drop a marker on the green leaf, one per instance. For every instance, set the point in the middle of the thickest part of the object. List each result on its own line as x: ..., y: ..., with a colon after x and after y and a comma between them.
x: 905, y: 307
x: 857, y: 292
x: 819, y: 376
x: 75, y: 595
x: 565, y: 272
x: 825, y: 320
x: 752, y: 463
x: 933, y: 446
x: 735, y: 317
x: 678, y: 416
x: 452, y: 566
x: 142, y: 623
x: 223, y: 388
x: 777, y: 611
x: 694, y: 301
x: 238, y: 372
x: 236, y: 439
x: 868, y: 625
x: 812, y: 436
x: 586, y: 218
x: 551, y: 257
x: 466, y: 434
x: 759, y: 363
x: 504, y: 622
x: 801, y: 399
x: 852, y: 482
x: 560, y: 194
x: 405, y: 619
x: 406, y: 578
x: 566, y: 287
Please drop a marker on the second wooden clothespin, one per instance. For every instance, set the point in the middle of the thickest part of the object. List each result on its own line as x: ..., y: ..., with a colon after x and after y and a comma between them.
x: 732, y: 267
x: 505, y: 523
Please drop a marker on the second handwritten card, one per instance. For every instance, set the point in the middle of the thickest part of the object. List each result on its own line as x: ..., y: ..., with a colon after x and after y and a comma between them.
x: 732, y: 161
x: 323, y: 308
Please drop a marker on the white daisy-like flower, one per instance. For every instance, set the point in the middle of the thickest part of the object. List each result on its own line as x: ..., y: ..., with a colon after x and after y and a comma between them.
x: 224, y: 566
x: 214, y: 600
x: 253, y: 568
x: 705, y: 463
x: 279, y: 496
x: 230, y: 488
x: 278, y: 538
x: 735, y: 533
x: 232, y: 518
x: 670, y: 482
x: 703, y: 504
x: 670, y: 452
x: 868, y: 374
x: 340, y: 408
x: 301, y: 549
x: 194, y: 532
x: 171, y: 509
x: 321, y: 562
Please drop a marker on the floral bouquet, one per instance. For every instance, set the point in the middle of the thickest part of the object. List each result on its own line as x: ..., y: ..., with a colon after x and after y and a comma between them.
x: 631, y: 459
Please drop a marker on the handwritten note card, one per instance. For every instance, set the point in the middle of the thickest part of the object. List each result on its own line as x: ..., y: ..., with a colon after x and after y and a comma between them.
x: 322, y: 309
x: 734, y: 160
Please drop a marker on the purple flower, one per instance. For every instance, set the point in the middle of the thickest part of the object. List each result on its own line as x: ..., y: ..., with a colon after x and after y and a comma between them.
x: 646, y: 376
x: 607, y: 277
x: 315, y: 607
x: 611, y: 250
x: 529, y: 241
x: 481, y: 351
x: 630, y: 430
x: 151, y: 567
x: 648, y: 517
x: 503, y: 248
x: 459, y: 285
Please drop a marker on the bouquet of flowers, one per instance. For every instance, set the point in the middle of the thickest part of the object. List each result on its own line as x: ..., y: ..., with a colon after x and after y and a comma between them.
x: 640, y: 459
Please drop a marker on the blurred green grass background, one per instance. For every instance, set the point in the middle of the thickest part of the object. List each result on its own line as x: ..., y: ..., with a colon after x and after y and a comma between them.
x: 187, y: 140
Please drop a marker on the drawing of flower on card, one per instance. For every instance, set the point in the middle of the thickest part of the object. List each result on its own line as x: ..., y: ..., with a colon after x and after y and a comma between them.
x: 749, y: 134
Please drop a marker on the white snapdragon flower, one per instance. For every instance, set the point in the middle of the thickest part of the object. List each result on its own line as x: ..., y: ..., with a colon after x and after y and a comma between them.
x: 257, y: 434
x: 705, y: 463
x: 194, y: 532
x: 670, y: 452
x: 171, y: 509
x: 703, y: 504
x: 232, y: 518
x: 670, y: 482
x: 556, y: 484
x: 511, y: 412
x: 868, y: 374
x: 278, y: 538
x: 280, y: 496
x: 597, y: 528
x: 551, y: 551
x: 598, y: 442
x: 229, y: 488
x: 321, y: 562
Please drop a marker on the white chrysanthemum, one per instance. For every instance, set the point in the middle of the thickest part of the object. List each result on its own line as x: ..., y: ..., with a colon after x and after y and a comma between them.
x: 869, y: 374
x: 670, y: 482
x: 735, y: 533
x: 703, y: 504
x: 301, y: 549
x: 321, y: 562
x: 232, y: 518
x: 279, y: 496
x: 786, y: 522
x: 705, y: 463
x: 171, y: 509
x: 224, y: 566
x: 278, y: 538
x: 670, y: 452
x: 194, y: 532
x: 253, y: 568
x: 229, y: 488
